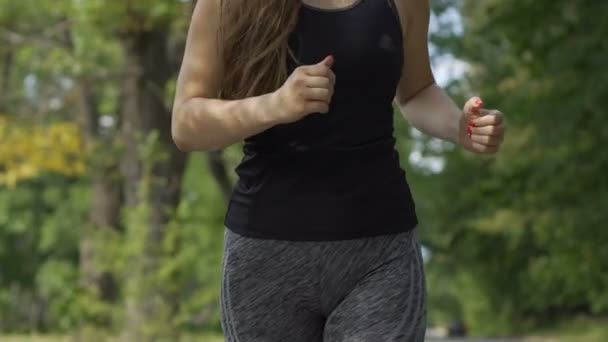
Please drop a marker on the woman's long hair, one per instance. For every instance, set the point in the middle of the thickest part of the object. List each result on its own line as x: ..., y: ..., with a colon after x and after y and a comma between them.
x: 254, y: 37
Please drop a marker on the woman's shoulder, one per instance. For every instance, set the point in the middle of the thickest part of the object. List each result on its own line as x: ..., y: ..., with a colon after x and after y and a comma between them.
x: 410, y: 9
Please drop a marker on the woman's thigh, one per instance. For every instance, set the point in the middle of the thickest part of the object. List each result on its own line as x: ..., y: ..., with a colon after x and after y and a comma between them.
x: 386, y: 301
x: 269, y: 292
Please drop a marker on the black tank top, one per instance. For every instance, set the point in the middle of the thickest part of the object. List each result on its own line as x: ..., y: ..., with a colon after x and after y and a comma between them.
x: 336, y: 175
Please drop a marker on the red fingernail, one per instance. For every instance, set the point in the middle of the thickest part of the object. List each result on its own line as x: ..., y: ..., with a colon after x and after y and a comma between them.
x: 470, y: 131
x: 471, y: 124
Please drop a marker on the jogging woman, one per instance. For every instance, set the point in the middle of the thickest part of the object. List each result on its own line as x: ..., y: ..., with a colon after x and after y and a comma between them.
x: 320, y: 241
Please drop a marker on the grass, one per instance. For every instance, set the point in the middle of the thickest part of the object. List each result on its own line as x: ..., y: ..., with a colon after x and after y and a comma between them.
x: 32, y: 338
x: 49, y: 338
x: 578, y: 330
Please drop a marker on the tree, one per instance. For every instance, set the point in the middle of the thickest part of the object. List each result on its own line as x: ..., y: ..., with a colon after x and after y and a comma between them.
x: 110, y: 70
x: 524, y: 231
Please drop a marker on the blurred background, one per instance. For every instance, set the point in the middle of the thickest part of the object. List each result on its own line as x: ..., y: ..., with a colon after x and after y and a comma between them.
x: 107, y: 231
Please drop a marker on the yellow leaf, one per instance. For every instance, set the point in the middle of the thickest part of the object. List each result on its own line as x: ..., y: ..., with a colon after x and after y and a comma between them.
x: 26, y: 151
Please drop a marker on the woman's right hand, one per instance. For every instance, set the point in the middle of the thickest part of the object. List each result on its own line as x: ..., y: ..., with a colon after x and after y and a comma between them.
x: 308, y: 90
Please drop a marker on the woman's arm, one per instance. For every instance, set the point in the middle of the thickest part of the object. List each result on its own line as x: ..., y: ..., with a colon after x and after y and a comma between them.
x: 200, y: 121
x: 424, y: 104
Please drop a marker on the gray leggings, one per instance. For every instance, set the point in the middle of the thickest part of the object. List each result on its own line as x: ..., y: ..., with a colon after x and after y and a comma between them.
x: 370, y: 289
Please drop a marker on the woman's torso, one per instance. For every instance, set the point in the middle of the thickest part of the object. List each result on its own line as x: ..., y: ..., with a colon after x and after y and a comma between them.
x: 335, y: 175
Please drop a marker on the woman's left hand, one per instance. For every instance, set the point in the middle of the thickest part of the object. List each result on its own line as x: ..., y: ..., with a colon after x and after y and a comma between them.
x: 481, y: 130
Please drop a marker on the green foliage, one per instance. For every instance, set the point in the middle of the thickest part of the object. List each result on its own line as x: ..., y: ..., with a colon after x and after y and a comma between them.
x: 524, y: 232
x: 189, y: 267
x: 517, y: 240
x: 51, y: 48
x: 129, y: 15
x: 39, y: 237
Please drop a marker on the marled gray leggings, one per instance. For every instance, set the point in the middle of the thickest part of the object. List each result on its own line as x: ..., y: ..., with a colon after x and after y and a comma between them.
x: 369, y: 290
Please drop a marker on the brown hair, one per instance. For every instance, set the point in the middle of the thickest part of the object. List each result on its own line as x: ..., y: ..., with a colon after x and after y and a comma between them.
x: 254, y: 38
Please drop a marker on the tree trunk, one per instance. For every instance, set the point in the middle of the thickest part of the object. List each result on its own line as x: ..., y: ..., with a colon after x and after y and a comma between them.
x: 144, y: 112
x: 7, y: 64
x: 220, y: 173
x: 106, y: 200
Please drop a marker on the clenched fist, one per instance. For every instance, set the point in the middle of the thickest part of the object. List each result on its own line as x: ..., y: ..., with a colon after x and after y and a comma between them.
x: 308, y: 90
x: 481, y: 130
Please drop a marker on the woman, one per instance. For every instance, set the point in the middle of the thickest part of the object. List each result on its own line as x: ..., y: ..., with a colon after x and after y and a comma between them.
x: 320, y: 242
